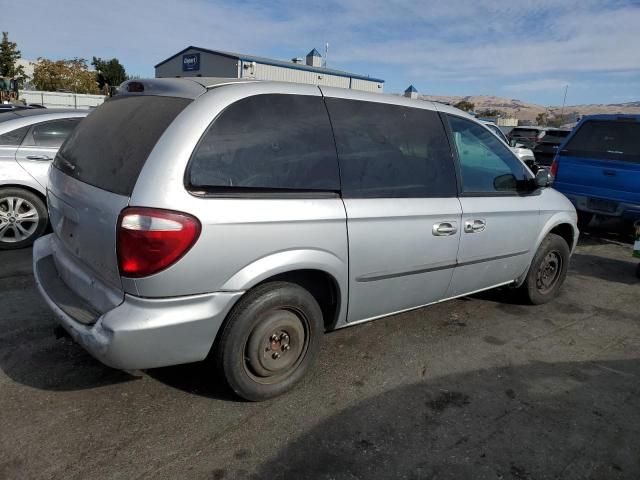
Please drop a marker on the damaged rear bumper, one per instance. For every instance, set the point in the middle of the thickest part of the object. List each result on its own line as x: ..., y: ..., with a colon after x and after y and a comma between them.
x: 140, y: 332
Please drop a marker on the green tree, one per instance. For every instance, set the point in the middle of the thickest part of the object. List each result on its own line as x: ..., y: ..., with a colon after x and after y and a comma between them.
x: 9, y: 55
x: 464, y: 105
x: 542, y: 118
x: 109, y: 71
x: 555, y: 121
x: 70, y: 75
x: 490, y: 112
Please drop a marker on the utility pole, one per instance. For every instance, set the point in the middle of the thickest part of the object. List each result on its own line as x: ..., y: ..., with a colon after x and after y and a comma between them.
x: 326, y: 53
x: 564, y: 100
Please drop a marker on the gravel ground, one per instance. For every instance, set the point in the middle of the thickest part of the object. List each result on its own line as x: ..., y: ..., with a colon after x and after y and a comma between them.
x: 473, y: 388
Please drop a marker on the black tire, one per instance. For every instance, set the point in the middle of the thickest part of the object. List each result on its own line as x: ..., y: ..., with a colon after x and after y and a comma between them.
x: 638, y: 271
x: 548, y: 270
x: 269, y: 341
x: 584, y: 219
x: 17, y: 232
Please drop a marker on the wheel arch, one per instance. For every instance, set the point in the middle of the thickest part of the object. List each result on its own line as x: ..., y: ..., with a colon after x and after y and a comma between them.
x: 321, y: 285
x: 37, y: 190
x: 320, y: 272
x: 562, y: 224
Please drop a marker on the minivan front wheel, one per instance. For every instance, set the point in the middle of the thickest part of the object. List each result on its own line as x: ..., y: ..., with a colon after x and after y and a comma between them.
x: 23, y: 218
x: 548, y: 270
x: 270, y: 340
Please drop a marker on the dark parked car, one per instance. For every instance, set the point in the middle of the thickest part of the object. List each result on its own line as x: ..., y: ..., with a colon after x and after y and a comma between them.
x: 547, y: 143
x: 524, y: 136
x: 543, y: 141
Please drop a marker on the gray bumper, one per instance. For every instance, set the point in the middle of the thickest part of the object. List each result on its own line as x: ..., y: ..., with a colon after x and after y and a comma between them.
x: 140, y: 332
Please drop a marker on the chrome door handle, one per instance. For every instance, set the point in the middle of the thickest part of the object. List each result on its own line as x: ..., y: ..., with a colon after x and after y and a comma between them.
x: 444, y: 229
x: 38, y: 157
x: 474, y: 226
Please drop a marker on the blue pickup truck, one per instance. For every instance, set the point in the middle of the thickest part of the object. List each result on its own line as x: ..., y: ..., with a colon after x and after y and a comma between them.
x: 598, y: 167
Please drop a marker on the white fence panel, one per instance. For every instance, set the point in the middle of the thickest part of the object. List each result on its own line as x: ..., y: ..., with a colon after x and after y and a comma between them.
x: 62, y: 100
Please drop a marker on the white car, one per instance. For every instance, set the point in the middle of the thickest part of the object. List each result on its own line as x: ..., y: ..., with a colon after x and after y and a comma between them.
x: 524, y: 154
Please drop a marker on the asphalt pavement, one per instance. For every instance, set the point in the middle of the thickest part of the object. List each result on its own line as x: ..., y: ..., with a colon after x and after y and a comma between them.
x: 480, y: 387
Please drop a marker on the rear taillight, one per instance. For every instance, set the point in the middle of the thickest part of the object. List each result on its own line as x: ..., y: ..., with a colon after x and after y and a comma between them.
x: 554, y: 169
x: 150, y: 240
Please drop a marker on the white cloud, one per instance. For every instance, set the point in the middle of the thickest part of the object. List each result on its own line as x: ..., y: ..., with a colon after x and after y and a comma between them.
x: 456, y: 40
x: 544, y: 84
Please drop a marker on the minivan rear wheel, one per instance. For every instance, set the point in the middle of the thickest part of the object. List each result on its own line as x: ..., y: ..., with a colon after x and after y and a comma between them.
x: 548, y: 270
x: 270, y: 340
x: 23, y: 218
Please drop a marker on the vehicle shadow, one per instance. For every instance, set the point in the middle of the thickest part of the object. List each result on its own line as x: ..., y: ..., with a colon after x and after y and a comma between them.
x: 33, y: 352
x: 606, y: 233
x: 39, y: 360
x: 542, y: 420
x: 604, y: 268
x: 198, y: 378
x: 38, y: 357
x: 30, y: 353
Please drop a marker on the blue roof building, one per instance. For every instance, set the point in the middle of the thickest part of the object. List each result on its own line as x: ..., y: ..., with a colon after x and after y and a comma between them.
x: 196, y: 61
x: 411, y: 92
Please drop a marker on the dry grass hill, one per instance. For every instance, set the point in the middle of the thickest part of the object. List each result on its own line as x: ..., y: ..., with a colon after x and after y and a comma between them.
x: 529, y: 111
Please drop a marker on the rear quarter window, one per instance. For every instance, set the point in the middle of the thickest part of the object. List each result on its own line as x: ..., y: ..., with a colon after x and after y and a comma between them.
x: 110, y: 146
x: 51, y: 134
x: 267, y: 142
x: 14, y: 137
x: 607, y: 140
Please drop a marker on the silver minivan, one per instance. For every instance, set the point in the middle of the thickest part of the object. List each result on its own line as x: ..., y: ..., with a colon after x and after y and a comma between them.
x: 238, y: 221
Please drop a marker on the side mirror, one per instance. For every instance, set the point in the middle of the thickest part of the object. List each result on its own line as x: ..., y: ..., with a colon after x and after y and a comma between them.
x: 543, y: 178
x: 512, y: 142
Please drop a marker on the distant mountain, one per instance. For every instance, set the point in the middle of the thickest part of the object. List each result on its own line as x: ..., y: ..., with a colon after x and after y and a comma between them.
x: 529, y: 111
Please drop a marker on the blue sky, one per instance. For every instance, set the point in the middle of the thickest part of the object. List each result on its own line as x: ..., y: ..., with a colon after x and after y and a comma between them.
x: 516, y: 49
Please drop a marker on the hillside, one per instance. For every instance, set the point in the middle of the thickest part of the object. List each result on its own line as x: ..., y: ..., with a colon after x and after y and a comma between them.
x: 529, y: 111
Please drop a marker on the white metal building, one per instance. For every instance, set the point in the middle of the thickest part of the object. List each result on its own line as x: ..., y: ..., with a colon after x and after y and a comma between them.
x: 202, y: 62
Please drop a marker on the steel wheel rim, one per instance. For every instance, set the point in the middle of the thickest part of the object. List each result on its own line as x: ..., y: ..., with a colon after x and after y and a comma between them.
x: 549, y: 272
x: 18, y: 219
x: 276, y: 346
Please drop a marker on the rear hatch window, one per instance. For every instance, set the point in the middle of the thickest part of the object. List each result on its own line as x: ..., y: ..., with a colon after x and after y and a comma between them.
x: 555, y: 136
x: 606, y: 140
x: 110, y: 146
x: 524, y: 132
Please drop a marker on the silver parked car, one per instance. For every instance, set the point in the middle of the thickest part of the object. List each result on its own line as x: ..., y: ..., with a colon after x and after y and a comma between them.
x: 243, y: 219
x: 29, y: 139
